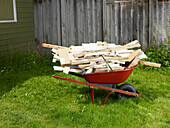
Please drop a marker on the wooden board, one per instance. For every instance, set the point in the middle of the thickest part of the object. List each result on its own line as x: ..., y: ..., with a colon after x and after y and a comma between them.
x: 106, y: 69
x: 150, y: 64
x: 64, y: 57
x: 131, y: 56
x: 133, y: 62
x: 53, y: 46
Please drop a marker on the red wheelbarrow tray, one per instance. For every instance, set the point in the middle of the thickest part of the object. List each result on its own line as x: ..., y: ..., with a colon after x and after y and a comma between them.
x: 95, y: 79
x: 112, y: 77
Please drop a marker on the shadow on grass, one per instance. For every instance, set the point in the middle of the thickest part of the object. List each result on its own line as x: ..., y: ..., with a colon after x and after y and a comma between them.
x: 16, y: 69
x: 11, y: 80
x: 99, y: 97
x: 146, y: 94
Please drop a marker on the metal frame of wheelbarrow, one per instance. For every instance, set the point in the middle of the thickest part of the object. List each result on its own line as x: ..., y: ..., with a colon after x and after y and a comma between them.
x: 101, y: 85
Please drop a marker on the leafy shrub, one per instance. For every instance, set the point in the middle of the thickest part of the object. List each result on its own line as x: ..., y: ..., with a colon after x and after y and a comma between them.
x: 159, y: 54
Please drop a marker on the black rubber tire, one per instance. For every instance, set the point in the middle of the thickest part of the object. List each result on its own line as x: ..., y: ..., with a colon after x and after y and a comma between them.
x: 126, y: 87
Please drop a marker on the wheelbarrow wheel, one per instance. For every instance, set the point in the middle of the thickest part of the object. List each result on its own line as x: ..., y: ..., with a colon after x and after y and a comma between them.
x: 126, y: 87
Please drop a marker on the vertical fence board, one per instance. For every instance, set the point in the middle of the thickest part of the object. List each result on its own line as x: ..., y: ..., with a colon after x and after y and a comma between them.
x: 169, y: 18
x: 68, y: 22
x: 93, y: 13
x: 116, y: 24
x: 99, y: 30
x: 63, y: 22
x: 104, y: 21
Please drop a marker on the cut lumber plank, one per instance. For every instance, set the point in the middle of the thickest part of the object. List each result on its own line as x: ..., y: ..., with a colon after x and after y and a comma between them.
x: 87, y: 65
x: 92, y: 47
x: 100, y: 43
x: 54, y: 60
x: 131, y: 56
x: 90, y: 70
x: 66, y: 70
x: 64, y: 57
x: 141, y: 55
x: 53, y: 46
x: 111, y: 45
x: 86, y: 61
x: 132, y: 43
x: 75, y: 49
x: 55, y: 51
x: 56, y: 57
x: 150, y: 64
x: 106, y: 69
x: 58, y: 68
x: 124, y: 51
x: 96, y: 54
x: 133, y: 63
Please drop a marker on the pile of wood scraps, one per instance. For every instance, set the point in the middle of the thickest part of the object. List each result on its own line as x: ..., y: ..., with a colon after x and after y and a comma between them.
x: 98, y: 57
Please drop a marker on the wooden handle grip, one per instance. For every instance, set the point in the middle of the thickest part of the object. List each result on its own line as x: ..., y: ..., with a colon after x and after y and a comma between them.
x: 150, y: 64
x: 52, y: 46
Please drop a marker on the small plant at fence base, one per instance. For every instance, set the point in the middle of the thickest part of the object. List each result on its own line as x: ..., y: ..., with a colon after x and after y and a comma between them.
x: 159, y: 54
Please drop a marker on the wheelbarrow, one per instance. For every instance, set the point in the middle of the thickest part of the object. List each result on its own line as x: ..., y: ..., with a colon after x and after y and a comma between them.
x: 107, y: 81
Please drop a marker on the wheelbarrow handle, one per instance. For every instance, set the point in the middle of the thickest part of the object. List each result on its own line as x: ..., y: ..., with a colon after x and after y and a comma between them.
x: 97, y: 86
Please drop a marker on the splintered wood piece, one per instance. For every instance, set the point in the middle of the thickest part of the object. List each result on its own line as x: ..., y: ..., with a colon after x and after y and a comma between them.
x: 84, y: 66
x: 79, y: 54
x: 71, y: 56
x: 55, y: 51
x: 96, y: 54
x: 106, y: 69
x: 104, y: 43
x: 90, y: 70
x: 53, y: 46
x: 127, y: 46
x: 89, y: 52
x: 101, y: 70
x: 133, y: 62
x: 124, y: 51
x: 87, y: 65
x: 91, y: 47
x: 56, y: 57
x: 75, y: 70
x: 66, y: 70
x: 141, y: 55
x: 64, y: 58
x: 150, y: 64
x: 99, y: 43
x: 54, y: 60
x: 131, y: 56
x: 77, y: 48
x: 131, y: 43
x: 58, y: 68
x: 87, y: 61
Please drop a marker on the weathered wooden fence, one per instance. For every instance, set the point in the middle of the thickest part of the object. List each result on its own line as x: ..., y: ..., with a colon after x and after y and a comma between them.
x: 72, y: 22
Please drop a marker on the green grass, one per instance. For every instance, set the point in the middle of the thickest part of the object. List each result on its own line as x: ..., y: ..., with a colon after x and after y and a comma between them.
x: 31, y: 97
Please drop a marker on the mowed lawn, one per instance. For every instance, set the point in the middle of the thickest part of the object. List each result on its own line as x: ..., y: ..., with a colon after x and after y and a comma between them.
x: 31, y: 97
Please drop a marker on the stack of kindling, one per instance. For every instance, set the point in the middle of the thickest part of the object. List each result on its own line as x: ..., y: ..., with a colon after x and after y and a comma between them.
x: 97, y: 57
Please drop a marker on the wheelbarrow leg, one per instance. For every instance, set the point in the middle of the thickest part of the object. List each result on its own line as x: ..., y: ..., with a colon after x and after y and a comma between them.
x: 106, y: 98
x: 91, y: 93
